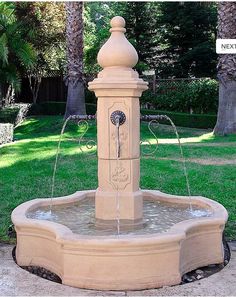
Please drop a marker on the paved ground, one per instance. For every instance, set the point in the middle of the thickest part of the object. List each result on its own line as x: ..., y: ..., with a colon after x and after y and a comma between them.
x: 15, y: 281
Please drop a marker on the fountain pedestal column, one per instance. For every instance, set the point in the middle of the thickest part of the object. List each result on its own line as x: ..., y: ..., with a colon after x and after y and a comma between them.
x: 118, y: 88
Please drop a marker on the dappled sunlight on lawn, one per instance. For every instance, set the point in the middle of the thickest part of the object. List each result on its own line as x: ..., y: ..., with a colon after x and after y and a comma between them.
x: 194, y: 139
x: 29, y: 150
x: 206, y: 137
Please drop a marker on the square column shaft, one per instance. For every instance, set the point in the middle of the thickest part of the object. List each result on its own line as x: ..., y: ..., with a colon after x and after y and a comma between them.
x: 118, y: 191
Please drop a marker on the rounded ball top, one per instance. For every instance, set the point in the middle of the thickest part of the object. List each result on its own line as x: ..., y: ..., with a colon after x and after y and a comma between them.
x: 117, y: 21
x: 117, y: 51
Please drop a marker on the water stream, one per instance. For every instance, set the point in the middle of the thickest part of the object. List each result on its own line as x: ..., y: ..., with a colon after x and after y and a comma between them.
x: 153, y: 119
x: 196, y: 212
x: 89, y: 145
x: 56, y: 160
x: 117, y: 122
x: 183, y: 161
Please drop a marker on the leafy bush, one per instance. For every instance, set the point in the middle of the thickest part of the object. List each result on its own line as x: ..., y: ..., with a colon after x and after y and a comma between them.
x: 197, y: 96
x: 6, y: 133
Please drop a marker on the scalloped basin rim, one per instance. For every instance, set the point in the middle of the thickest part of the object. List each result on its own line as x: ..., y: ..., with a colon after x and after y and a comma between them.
x: 220, y: 214
x: 87, y: 261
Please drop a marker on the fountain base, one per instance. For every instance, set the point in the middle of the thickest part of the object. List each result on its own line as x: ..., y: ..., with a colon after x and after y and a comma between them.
x: 122, y: 225
x: 124, y: 262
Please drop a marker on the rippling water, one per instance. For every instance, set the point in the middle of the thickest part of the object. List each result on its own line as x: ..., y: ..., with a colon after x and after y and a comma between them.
x: 158, y: 217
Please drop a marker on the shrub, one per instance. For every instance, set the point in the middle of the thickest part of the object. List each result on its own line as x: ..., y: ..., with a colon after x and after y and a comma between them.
x: 180, y: 119
x: 90, y: 96
x: 14, y: 113
x: 56, y: 108
x: 204, y: 94
x: 201, y: 121
x: 197, y: 96
x: 8, y: 115
x: 6, y: 133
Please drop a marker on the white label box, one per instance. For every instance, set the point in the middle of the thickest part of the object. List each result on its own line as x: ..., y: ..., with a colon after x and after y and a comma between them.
x: 226, y: 46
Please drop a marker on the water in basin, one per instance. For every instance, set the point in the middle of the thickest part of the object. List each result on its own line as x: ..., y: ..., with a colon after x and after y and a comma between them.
x: 158, y: 217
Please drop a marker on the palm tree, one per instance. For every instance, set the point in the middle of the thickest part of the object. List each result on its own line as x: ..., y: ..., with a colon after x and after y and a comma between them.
x: 16, y: 55
x: 226, y: 119
x: 74, y: 38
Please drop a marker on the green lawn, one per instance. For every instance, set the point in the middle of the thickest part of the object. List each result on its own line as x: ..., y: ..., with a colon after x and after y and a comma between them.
x: 26, y: 166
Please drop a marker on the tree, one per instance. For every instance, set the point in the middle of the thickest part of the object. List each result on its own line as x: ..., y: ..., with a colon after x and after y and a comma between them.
x: 46, y: 21
x: 97, y: 17
x: 187, y: 32
x: 142, y: 31
x: 74, y: 39
x: 226, y: 118
x: 16, y: 54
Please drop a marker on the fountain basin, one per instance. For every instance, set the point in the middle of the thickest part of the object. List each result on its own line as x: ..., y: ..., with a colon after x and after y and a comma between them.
x: 124, y: 262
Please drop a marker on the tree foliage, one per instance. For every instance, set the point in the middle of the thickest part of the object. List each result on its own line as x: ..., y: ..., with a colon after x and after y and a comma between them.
x: 142, y: 31
x: 46, y: 21
x: 97, y: 16
x: 16, y: 55
x: 188, y: 32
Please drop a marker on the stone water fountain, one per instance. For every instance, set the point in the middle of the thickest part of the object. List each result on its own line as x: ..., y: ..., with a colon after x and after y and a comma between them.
x: 135, y: 239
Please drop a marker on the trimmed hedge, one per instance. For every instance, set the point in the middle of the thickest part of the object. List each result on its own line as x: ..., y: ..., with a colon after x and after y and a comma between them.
x: 8, y: 115
x: 56, y: 108
x: 201, y: 121
x: 48, y: 108
x: 6, y: 133
x: 14, y: 114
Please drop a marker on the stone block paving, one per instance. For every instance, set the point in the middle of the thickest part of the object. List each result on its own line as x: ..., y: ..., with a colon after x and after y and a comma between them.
x: 15, y: 281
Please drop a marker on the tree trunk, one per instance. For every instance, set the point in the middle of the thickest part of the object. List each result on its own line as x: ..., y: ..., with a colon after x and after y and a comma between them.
x: 226, y: 118
x: 1, y: 96
x: 8, y: 98
x: 74, y: 80
x: 34, y: 83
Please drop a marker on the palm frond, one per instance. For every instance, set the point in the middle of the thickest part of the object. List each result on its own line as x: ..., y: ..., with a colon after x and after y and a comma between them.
x: 7, y: 15
x: 26, y: 54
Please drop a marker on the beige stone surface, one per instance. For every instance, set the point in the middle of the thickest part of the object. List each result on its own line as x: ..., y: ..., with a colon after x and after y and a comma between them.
x: 15, y: 281
x: 120, y: 262
x: 117, y: 51
x: 118, y: 87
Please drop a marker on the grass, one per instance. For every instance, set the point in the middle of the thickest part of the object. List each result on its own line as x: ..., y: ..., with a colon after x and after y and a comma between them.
x: 26, y: 165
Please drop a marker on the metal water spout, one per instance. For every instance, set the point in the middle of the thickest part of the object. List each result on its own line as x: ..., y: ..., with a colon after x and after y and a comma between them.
x: 118, y: 88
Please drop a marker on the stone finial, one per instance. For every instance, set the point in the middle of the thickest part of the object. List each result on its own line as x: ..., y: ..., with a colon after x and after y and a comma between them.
x: 117, y: 51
